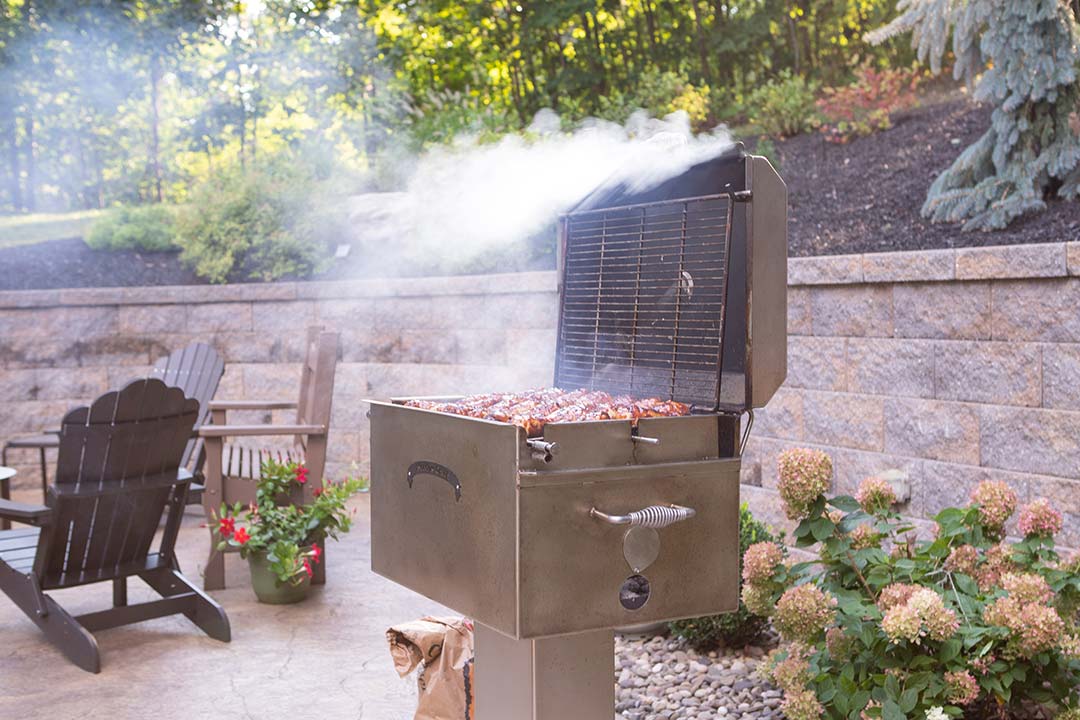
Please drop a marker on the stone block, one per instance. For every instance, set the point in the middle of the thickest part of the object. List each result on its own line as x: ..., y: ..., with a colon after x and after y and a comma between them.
x: 843, y: 419
x: 989, y: 372
x: 535, y: 311
x: 1011, y: 261
x: 933, y: 430
x: 943, y: 310
x: 148, y: 319
x: 798, y: 311
x: 782, y: 417
x: 427, y: 313
x: 886, y: 366
x: 859, y: 310
x: 111, y: 350
x: 917, y: 266
x: 1031, y: 440
x: 58, y: 322
x: 825, y: 270
x: 942, y: 485
x: 260, y: 347
x: 283, y: 319
x: 1072, y: 258
x: 270, y: 381
x: 220, y: 317
x: 35, y: 416
x: 767, y: 507
x: 851, y: 467
x: 346, y: 314
x: 1037, y: 310
x: 68, y: 384
x: 1061, y: 376
x: 817, y: 363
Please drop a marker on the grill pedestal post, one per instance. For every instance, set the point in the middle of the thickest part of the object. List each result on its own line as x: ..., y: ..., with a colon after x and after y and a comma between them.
x: 556, y: 678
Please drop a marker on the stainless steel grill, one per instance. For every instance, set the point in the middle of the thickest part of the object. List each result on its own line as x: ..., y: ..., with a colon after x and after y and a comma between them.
x: 549, y: 543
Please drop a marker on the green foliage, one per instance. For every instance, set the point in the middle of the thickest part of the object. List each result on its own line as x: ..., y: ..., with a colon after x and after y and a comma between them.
x: 784, y: 106
x: 866, y: 105
x: 739, y: 627
x: 265, y: 223
x: 767, y: 149
x: 957, y: 624
x: 287, y: 533
x: 1021, y: 56
x: 149, y: 228
x: 659, y: 94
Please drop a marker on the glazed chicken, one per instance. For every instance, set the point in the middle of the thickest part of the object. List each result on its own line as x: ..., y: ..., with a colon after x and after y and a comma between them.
x: 534, y: 409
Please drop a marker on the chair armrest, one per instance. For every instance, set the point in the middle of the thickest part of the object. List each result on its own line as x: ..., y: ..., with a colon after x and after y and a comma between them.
x: 251, y: 404
x: 38, y: 515
x: 220, y: 431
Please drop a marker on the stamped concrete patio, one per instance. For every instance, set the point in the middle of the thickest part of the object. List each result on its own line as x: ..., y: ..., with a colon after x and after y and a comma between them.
x: 325, y: 658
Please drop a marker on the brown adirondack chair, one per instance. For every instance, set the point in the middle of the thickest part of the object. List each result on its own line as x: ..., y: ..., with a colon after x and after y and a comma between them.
x: 118, y: 472
x: 196, y: 369
x: 233, y: 467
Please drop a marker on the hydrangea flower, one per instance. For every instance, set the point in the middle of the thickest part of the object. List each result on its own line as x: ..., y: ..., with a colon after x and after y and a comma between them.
x: 875, y: 495
x: 894, y: 595
x: 999, y: 561
x: 923, y: 615
x: 936, y: 713
x: 963, y: 559
x: 996, y: 502
x: 791, y: 674
x: 838, y: 643
x: 1070, y: 646
x: 758, y: 600
x: 962, y: 686
x: 1040, y: 519
x: 864, y: 536
x: 1027, y: 588
x: 804, y: 476
x: 802, y: 705
x: 803, y: 613
x: 760, y: 561
x: 1034, y: 628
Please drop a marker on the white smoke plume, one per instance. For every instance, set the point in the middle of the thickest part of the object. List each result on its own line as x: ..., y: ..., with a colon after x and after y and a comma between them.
x: 469, y: 198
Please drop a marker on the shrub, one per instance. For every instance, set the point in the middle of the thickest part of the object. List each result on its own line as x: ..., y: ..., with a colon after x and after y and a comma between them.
x: 742, y: 626
x: 263, y: 224
x: 958, y: 625
x: 784, y: 106
x: 659, y: 94
x: 866, y: 105
x: 148, y: 227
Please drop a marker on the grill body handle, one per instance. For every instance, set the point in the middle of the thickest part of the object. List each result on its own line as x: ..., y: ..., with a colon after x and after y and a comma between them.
x: 654, y: 516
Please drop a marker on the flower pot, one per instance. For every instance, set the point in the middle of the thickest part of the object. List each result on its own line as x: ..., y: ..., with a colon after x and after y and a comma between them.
x: 269, y: 589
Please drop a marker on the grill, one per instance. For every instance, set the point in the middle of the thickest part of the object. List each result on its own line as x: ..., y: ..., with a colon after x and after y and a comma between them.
x: 549, y: 543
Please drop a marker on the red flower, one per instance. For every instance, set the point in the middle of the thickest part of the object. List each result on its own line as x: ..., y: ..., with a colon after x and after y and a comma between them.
x: 241, y: 536
x: 227, y: 526
x: 301, y: 474
x: 317, y: 492
x: 307, y: 568
x: 316, y: 553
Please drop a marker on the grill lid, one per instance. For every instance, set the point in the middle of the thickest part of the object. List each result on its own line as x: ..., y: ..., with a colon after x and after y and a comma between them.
x: 645, y: 287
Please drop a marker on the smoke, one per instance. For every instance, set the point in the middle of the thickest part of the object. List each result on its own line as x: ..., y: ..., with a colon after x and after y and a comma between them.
x: 470, y: 200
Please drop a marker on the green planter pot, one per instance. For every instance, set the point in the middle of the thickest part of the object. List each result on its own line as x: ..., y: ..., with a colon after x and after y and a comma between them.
x: 269, y: 589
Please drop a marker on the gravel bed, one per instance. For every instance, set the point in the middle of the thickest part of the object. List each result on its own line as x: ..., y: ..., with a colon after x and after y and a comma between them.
x: 660, y: 677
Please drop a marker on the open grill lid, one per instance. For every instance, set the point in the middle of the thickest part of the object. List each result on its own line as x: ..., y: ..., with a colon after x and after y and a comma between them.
x: 655, y: 289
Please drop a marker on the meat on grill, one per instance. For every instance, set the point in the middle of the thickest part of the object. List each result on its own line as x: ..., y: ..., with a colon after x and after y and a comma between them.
x: 534, y: 409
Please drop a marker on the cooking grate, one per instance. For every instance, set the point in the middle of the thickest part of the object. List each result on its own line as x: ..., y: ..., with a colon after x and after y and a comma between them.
x: 644, y: 289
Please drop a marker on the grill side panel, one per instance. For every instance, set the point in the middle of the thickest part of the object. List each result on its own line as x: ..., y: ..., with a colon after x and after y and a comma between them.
x: 458, y: 551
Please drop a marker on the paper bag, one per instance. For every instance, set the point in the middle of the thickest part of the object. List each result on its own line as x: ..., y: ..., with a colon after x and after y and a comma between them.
x: 443, y: 649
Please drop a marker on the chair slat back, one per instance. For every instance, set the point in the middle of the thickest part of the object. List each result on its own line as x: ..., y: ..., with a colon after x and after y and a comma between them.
x: 196, y: 369
x: 117, y: 469
x: 317, y: 379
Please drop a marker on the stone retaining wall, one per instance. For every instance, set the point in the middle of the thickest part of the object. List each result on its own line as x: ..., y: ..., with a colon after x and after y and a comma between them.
x: 953, y: 365
x: 424, y: 335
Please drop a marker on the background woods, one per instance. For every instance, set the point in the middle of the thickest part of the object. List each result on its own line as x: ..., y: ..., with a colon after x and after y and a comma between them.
x: 104, y: 102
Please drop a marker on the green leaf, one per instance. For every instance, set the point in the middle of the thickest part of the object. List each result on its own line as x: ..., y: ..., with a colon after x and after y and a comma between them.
x: 845, y: 503
x: 909, y: 700
x: 966, y: 585
x: 892, y: 711
x: 822, y: 528
x: 950, y: 650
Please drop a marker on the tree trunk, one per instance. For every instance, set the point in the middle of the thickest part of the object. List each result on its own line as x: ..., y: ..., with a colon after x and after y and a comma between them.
x: 703, y: 45
x: 9, y: 129
x: 30, y: 202
x: 155, y: 122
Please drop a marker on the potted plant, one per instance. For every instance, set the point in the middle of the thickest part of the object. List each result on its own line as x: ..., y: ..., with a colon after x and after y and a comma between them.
x: 281, y: 538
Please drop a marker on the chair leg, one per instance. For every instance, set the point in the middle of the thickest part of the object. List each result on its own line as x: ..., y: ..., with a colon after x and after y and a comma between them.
x: 119, y: 592
x: 44, y: 477
x: 318, y: 576
x: 214, y: 574
x: 60, y: 628
x: 208, y: 615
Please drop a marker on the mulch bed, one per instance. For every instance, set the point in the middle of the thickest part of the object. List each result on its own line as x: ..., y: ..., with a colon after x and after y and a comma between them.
x: 860, y: 197
x: 865, y: 196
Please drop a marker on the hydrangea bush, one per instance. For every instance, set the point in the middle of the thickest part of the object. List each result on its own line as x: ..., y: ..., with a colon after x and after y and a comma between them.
x: 884, y: 625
